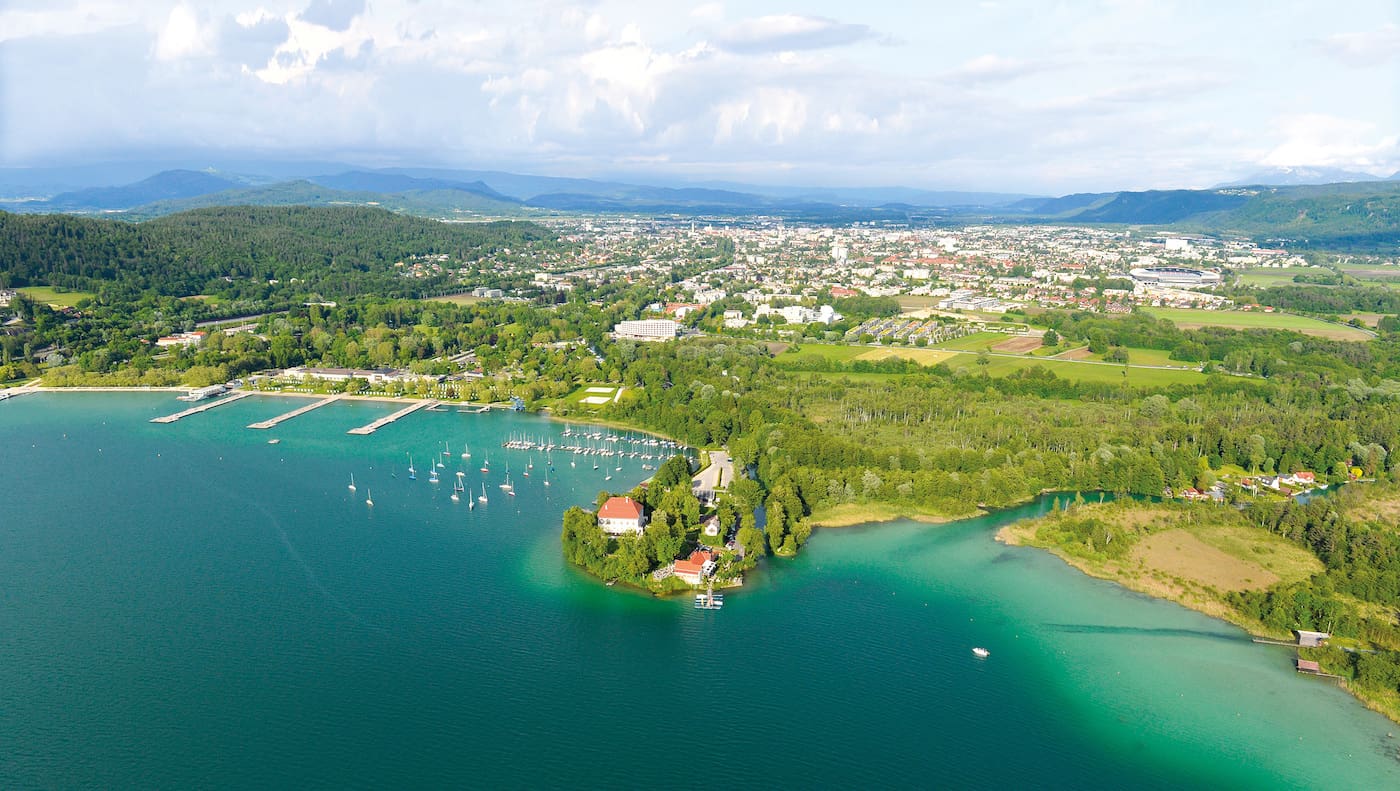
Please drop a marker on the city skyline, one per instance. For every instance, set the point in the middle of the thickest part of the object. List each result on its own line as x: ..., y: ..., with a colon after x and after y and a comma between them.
x: 990, y: 96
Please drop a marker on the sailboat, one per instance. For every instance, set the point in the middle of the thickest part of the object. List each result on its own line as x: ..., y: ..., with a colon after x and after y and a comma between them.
x: 412, y: 473
x: 507, y: 485
x: 486, y: 465
x: 482, y: 498
x: 369, y: 498
x: 352, y: 482
x: 457, y: 488
x: 546, y: 476
x: 466, y: 452
x: 471, y: 505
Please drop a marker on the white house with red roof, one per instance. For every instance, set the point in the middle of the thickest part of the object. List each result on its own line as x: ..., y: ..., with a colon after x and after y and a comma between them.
x: 622, y: 515
x: 697, y: 567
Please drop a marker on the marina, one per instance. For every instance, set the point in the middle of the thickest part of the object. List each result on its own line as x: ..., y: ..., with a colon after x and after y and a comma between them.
x: 205, y: 407
x: 265, y: 424
x: 370, y: 428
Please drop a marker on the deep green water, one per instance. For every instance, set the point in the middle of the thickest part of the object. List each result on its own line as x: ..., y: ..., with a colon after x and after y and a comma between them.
x: 188, y: 606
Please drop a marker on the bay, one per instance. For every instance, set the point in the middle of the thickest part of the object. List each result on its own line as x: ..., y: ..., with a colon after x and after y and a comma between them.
x: 186, y: 605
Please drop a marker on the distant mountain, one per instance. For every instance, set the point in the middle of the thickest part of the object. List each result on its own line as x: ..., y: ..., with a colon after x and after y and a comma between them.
x: 1296, y: 176
x: 166, y: 185
x: 379, y: 181
x: 426, y: 202
x: 1161, y: 207
x: 878, y: 196
x: 1062, y: 206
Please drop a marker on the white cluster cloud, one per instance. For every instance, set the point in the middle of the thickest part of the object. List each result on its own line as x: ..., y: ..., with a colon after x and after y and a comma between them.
x: 977, y: 98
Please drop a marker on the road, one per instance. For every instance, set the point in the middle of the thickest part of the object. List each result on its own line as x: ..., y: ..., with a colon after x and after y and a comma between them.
x: 719, y: 473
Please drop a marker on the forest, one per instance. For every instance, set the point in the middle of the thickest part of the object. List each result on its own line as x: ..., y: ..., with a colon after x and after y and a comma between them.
x: 242, y: 252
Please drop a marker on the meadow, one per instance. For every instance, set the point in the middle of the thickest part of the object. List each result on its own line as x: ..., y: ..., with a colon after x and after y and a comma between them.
x: 48, y: 296
x: 1189, y: 318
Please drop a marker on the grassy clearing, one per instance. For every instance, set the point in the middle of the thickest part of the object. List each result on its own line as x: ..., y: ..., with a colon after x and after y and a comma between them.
x: 1266, y: 277
x: 997, y: 364
x: 850, y: 514
x: 1369, y: 319
x: 975, y: 342
x: 1190, y: 554
x: 1081, y: 371
x: 48, y: 296
x: 1187, y: 318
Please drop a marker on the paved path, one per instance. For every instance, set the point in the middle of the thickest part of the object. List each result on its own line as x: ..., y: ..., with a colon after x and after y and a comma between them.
x: 719, y: 473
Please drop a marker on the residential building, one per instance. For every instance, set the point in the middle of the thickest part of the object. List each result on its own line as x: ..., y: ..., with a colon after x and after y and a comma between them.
x: 646, y: 330
x: 696, y: 568
x: 622, y: 515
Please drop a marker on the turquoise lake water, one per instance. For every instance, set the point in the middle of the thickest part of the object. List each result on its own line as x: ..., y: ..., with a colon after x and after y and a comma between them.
x: 187, y: 606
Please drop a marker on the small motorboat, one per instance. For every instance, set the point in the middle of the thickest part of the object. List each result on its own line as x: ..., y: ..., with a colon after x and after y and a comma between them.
x: 981, y: 653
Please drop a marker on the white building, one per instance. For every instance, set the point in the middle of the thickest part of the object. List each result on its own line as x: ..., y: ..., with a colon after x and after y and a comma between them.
x: 647, y: 330
x: 621, y: 515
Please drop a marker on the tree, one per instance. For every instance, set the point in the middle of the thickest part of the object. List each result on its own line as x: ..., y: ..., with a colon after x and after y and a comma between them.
x: 1050, y: 338
x: 751, y: 540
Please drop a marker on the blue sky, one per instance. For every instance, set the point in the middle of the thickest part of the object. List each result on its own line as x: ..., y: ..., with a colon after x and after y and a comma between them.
x: 1024, y: 96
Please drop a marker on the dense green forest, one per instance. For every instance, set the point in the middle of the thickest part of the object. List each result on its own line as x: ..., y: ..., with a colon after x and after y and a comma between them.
x: 237, y: 252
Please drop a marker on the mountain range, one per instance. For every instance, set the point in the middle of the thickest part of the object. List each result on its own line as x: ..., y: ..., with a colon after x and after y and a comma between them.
x: 1365, y: 213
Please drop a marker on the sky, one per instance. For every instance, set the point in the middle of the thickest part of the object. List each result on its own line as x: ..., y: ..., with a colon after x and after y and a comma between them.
x: 1043, y: 97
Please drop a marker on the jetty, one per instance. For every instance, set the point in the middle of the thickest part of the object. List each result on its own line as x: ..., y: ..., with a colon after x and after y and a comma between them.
x: 294, y: 413
x: 194, y: 410
x: 387, y: 419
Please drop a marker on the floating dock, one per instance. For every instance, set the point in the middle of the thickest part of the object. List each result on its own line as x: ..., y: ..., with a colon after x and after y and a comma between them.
x: 387, y: 419
x: 294, y: 413
x: 194, y: 410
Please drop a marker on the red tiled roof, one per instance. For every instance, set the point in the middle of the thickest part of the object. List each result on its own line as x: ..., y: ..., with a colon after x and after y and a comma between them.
x: 620, y: 508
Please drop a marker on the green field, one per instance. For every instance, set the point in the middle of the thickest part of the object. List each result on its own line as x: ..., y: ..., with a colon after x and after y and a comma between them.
x: 1275, y: 277
x: 48, y: 296
x: 975, y: 342
x: 1002, y: 365
x: 1077, y: 371
x: 1187, y: 318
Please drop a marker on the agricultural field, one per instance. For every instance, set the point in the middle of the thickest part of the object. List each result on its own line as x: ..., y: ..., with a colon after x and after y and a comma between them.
x: 822, y: 351
x: 922, y: 356
x: 48, y: 296
x: 1187, y: 318
x: 1266, y: 277
x: 1019, y: 344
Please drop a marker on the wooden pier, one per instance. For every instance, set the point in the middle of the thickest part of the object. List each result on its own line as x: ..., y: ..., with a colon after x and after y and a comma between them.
x: 294, y: 413
x: 194, y: 410
x: 387, y: 419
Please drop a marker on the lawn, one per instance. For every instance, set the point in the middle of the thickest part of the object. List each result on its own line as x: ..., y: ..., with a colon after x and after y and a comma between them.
x: 1187, y: 318
x: 48, y: 296
x: 1266, y: 277
x: 975, y: 342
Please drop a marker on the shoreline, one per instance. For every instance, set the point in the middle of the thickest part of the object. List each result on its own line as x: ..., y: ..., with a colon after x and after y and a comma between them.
x: 859, y: 514
x: 1016, y: 535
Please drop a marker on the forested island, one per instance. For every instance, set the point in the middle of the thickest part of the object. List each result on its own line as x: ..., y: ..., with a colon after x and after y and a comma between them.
x: 819, y: 439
